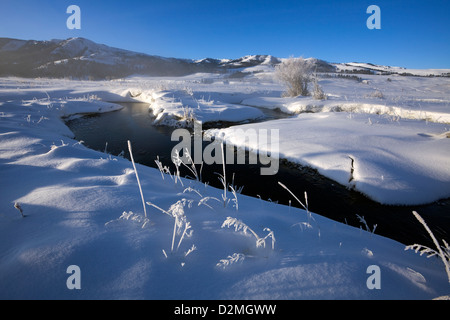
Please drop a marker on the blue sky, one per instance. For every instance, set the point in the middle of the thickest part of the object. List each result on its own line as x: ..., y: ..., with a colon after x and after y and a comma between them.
x: 413, y: 34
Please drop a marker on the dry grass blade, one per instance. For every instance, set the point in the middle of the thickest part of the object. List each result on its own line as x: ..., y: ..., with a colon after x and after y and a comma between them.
x: 442, y: 251
x: 137, y: 177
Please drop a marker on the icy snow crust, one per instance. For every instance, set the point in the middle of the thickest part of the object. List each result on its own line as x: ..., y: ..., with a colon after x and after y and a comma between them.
x: 83, y: 207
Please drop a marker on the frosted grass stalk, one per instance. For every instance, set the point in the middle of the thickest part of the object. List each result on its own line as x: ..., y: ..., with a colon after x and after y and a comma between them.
x: 174, y: 232
x: 224, y: 177
x: 137, y: 177
x: 298, y: 200
x: 445, y: 256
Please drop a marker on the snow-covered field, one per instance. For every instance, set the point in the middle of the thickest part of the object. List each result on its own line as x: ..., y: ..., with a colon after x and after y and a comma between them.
x: 84, y: 208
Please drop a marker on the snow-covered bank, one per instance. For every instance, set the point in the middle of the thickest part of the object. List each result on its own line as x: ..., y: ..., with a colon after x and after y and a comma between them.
x: 74, y: 198
x: 181, y: 108
x: 386, y: 137
x: 398, y: 97
x: 368, y: 106
x: 393, y: 161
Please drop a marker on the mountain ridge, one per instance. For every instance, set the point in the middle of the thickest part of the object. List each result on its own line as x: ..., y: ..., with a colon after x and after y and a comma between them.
x: 82, y: 58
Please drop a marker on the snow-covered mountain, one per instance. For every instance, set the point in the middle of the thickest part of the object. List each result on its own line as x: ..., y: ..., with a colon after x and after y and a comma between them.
x: 84, y: 59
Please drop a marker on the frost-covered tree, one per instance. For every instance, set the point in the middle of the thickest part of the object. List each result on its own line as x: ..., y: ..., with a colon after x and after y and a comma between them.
x: 295, y: 73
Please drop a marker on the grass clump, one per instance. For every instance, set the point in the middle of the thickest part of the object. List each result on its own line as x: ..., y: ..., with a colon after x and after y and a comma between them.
x: 442, y: 251
x: 241, y: 226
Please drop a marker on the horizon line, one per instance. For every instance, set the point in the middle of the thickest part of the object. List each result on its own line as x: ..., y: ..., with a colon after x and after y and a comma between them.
x: 206, y: 57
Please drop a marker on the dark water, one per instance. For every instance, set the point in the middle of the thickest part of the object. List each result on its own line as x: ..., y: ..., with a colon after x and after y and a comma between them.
x: 325, y: 197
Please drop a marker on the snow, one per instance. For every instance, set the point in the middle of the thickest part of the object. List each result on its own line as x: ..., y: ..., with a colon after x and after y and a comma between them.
x: 397, y: 143
x: 83, y: 207
x: 170, y: 106
x: 405, y: 97
x: 84, y: 49
x: 389, y: 69
x: 393, y: 161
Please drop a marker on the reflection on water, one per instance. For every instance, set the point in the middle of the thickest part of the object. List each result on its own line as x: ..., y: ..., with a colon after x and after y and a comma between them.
x: 325, y: 197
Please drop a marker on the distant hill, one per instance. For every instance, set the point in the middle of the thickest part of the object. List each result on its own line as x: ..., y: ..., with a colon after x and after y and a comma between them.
x: 81, y: 58
x: 369, y: 68
x: 84, y: 59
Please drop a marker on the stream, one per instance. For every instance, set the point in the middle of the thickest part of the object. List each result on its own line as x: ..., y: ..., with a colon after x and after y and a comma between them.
x: 110, y: 131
